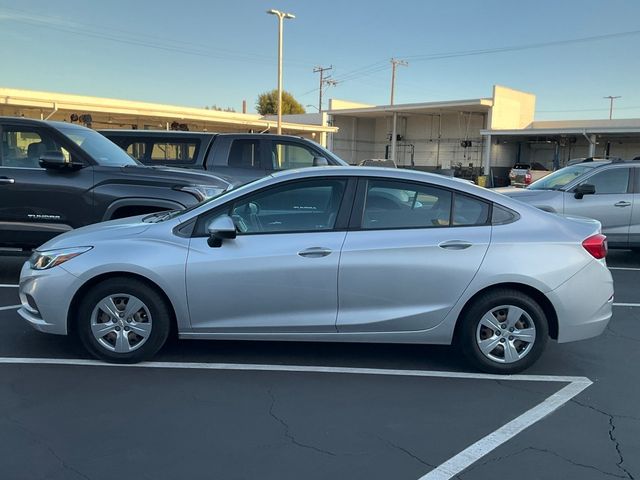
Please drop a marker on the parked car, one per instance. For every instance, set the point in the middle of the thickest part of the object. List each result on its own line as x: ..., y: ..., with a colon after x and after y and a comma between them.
x: 605, y: 190
x: 345, y: 254
x: 55, y: 176
x: 236, y: 157
x: 378, y: 162
x: 523, y: 174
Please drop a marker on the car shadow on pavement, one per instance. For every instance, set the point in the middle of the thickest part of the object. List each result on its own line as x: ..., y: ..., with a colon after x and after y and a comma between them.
x: 402, y: 356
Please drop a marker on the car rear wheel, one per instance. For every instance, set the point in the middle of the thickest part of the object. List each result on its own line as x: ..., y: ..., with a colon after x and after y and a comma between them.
x: 504, y: 332
x: 122, y: 320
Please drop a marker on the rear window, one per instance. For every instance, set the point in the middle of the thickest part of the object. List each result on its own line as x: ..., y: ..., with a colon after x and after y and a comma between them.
x: 162, y: 151
x: 522, y: 166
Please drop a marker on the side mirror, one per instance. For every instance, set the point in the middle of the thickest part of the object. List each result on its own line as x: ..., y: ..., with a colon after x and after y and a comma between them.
x: 320, y: 162
x: 220, y: 228
x: 55, y: 160
x: 584, y: 189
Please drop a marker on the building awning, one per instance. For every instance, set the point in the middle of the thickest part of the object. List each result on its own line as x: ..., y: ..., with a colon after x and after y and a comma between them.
x: 480, y: 105
x: 117, y: 111
x: 575, y: 127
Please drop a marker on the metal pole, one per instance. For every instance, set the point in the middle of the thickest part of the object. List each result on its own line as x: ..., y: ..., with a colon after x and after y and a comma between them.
x: 393, y: 137
x: 394, y: 63
x: 281, y: 16
x: 611, y: 99
x: 280, y: 23
x: 323, y: 81
x: 393, y: 79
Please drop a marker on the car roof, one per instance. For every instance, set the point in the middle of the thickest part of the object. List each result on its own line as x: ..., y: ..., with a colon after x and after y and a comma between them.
x: 33, y: 121
x: 153, y: 133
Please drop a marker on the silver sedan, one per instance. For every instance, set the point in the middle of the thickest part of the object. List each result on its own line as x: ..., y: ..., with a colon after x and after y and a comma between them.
x: 348, y: 254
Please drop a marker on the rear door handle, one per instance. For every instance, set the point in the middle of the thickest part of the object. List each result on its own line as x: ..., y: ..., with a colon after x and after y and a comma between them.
x: 315, y: 252
x: 622, y: 204
x: 6, y: 181
x: 455, y: 245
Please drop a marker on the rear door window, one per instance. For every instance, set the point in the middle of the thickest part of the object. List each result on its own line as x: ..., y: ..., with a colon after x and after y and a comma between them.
x: 394, y: 204
x: 611, y: 181
x: 183, y: 151
x: 245, y: 154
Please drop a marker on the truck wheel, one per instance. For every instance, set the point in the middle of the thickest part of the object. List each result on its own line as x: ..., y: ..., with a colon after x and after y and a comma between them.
x: 503, y: 332
x: 123, y: 320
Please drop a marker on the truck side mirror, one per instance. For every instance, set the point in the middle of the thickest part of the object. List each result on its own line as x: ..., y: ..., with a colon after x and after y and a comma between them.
x: 584, y: 189
x: 320, y: 162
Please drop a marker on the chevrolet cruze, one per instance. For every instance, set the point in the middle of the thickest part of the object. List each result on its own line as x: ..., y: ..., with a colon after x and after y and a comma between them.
x: 346, y: 254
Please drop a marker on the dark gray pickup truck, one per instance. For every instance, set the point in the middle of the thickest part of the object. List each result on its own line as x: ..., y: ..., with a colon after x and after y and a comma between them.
x: 236, y: 157
x: 55, y: 177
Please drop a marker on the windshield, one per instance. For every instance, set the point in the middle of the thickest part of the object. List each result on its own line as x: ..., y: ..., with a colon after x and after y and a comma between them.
x: 102, y: 150
x: 167, y: 215
x: 560, y: 178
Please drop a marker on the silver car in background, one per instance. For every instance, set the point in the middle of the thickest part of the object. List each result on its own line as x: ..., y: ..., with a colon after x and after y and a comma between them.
x: 605, y: 190
x: 347, y: 254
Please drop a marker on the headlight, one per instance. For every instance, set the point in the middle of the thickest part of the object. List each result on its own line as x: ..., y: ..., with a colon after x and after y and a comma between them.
x: 201, y: 192
x: 51, y: 258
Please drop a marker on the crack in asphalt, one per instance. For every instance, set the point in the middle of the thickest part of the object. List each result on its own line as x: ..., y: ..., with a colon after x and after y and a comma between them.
x: 407, y: 452
x: 614, y: 440
x: 287, y: 432
x: 540, y: 450
x: 47, y: 447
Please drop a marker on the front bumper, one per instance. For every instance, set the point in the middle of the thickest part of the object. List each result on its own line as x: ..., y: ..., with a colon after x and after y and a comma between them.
x: 45, y: 297
x: 584, y: 303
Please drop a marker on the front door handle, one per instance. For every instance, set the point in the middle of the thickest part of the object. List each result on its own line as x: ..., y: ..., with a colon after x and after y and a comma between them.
x: 315, y: 252
x: 622, y: 204
x: 6, y: 181
x: 455, y: 245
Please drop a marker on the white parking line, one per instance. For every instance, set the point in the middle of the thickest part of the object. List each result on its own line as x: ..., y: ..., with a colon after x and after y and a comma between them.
x: 448, y: 469
x: 475, y: 452
x: 633, y: 269
x: 626, y: 304
x: 6, y: 285
x: 10, y: 307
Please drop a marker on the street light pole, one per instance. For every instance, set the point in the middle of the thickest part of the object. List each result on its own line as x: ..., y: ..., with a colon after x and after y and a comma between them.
x: 611, y: 99
x: 281, y: 16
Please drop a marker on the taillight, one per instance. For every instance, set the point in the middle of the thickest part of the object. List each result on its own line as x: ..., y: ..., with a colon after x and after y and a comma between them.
x: 527, y: 178
x: 596, y: 245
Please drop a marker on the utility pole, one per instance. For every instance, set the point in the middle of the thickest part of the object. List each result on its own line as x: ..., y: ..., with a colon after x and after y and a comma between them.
x: 395, y: 62
x: 611, y: 99
x: 323, y: 81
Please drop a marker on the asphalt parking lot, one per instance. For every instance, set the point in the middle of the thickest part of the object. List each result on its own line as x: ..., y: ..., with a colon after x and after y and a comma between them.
x: 240, y: 410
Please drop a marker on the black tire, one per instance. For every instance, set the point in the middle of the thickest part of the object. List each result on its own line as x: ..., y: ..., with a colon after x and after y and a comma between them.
x: 159, y: 324
x: 469, y: 329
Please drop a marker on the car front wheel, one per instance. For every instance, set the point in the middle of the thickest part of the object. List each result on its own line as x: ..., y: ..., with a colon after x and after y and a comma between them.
x: 123, y: 320
x: 504, y: 331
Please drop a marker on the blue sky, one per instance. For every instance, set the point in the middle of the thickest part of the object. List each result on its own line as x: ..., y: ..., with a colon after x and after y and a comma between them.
x: 201, y: 53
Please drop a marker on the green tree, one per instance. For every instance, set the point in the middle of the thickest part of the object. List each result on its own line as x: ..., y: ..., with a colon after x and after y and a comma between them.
x: 267, y: 104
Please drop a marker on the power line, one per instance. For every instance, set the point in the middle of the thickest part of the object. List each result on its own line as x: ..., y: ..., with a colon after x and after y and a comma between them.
x: 379, y: 66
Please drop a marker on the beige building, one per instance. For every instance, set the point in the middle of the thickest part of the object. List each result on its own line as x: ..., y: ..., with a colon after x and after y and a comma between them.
x: 115, y: 113
x: 476, y: 136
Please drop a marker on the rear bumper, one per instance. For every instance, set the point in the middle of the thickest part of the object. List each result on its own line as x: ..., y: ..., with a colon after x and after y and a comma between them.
x: 584, y: 303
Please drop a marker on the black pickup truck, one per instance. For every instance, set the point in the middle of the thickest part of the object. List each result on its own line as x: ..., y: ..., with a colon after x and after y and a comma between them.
x: 55, y: 176
x: 236, y: 157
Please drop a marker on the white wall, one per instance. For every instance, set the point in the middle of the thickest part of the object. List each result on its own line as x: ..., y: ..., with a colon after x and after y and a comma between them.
x: 421, y: 131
